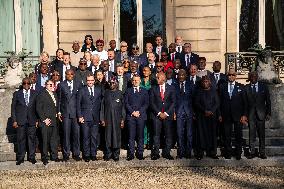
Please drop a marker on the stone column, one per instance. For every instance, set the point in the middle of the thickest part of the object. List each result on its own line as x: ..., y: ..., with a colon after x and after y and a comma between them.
x: 49, y: 26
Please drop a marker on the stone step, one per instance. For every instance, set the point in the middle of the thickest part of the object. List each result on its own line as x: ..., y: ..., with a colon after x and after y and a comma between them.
x: 268, y: 133
x: 270, y: 141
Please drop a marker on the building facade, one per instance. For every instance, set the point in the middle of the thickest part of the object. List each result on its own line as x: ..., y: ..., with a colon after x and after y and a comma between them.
x: 213, y: 27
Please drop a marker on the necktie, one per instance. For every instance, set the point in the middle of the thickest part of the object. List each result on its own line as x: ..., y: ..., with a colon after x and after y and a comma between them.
x: 254, y: 88
x: 173, y: 56
x: 187, y: 60
x: 136, y: 89
x: 120, y: 82
x: 162, y: 92
x: 231, y: 89
x: 179, y: 49
x: 70, y: 86
x: 182, y: 88
x: 216, y: 77
x: 191, y: 79
x: 92, y: 93
x: 26, y: 96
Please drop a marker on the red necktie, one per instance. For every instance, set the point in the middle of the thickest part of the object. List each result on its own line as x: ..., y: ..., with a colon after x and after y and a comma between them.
x: 162, y: 92
x: 173, y: 56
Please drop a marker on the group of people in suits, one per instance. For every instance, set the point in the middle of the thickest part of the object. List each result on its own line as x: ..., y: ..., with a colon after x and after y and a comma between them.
x: 161, y: 98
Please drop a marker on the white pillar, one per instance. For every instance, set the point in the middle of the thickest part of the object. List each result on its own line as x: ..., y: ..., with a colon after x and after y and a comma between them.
x: 18, y: 25
x: 116, y: 22
x: 261, y: 17
x: 139, y: 25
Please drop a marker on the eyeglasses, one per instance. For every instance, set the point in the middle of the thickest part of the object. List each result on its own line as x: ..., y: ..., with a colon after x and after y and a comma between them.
x: 90, y: 80
x: 123, y: 45
x: 56, y: 75
x: 26, y: 83
x: 231, y: 74
x: 50, y: 84
x: 164, y: 55
x: 100, y: 45
x: 89, y: 38
x: 69, y: 74
x: 83, y: 64
x: 136, y: 49
x: 159, y: 66
x: 126, y: 62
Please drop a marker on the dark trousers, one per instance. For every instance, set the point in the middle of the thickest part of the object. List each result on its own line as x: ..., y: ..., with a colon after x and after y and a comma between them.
x: 184, y: 135
x: 256, y: 125
x: 49, y: 141
x: 26, y: 135
x: 136, y: 130
x: 111, y: 152
x: 90, y: 132
x: 158, y: 124
x: 71, y: 129
x: 228, y: 129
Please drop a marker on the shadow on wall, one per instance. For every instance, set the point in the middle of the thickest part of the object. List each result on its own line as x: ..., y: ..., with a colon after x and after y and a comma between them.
x: 11, y: 133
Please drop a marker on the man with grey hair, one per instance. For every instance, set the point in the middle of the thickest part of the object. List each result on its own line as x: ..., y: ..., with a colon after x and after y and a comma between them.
x: 122, y: 53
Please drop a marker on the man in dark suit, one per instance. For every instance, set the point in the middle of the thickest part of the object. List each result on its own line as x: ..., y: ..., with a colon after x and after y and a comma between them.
x: 144, y: 57
x: 58, y: 60
x: 34, y: 86
x: 46, y: 108
x: 133, y: 71
x: 111, y: 60
x: 95, y: 65
x: 61, y: 68
x: 162, y: 103
x: 173, y: 55
x: 233, y: 105
x: 88, y: 110
x: 105, y: 67
x: 183, y: 112
x: 121, y: 78
x: 193, y: 79
x: 187, y: 57
x: 136, y: 104
x: 43, y: 76
x: 159, y: 48
x: 67, y: 92
x: 25, y: 121
x: 216, y: 77
x: 259, y: 111
x: 122, y: 53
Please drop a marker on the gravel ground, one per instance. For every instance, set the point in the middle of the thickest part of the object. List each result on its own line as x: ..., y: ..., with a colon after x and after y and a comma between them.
x: 146, y: 177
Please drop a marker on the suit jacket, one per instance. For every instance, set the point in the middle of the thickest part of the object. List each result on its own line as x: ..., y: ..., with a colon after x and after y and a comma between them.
x: 235, y: 107
x: 184, y: 99
x: 67, y: 103
x: 118, y: 56
x: 45, y: 107
x: 136, y: 102
x: 164, y: 49
x: 144, y: 59
x: 258, y: 103
x: 59, y: 68
x: 20, y: 112
x: 109, y: 75
x: 38, y: 80
x: 55, y: 63
x: 177, y: 56
x: 38, y: 88
x: 156, y: 103
x: 89, y: 106
x: 193, y: 60
x: 222, y: 79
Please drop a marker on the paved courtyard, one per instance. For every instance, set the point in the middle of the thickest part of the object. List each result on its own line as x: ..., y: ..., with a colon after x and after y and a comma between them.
x: 145, y: 174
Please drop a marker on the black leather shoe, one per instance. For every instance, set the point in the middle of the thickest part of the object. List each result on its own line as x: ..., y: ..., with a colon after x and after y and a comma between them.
x: 238, y: 157
x: 19, y: 162
x: 188, y: 156
x: 214, y: 157
x: 33, y: 161
x: 155, y: 157
x: 129, y: 158
x: 87, y: 159
x: 198, y: 157
x: 45, y: 162
x: 77, y: 158
x: 262, y: 156
x: 169, y: 157
x: 106, y: 158
x: 94, y: 158
x: 116, y: 158
x: 55, y: 159
x: 251, y: 156
x: 65, y: 159
x: 140, y: 157
x: 227, y: 157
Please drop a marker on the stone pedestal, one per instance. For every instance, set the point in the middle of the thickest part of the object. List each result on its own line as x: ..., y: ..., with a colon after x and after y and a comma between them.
x: 7, y: 132
x: 277, y: 107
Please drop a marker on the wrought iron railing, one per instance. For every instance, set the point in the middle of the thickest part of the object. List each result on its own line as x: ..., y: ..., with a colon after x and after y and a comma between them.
x: 28, y: 64
x: 243, y: 62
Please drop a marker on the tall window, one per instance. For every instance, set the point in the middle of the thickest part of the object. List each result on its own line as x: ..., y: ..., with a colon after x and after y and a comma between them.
x: 141, y: 21
x: 261, y: 21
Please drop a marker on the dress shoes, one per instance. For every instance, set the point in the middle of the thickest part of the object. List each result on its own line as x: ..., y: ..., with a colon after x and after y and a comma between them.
x: 262, y: 156
x: 87, y: 159
x: 19, y: 162
x: 94, y: 158
x: 251, y: 156
x: 65, y: 159
x: 140, y: 157
x: 33, y: 161
x: 55, y: 159
x: 130, y: 157
x: 77, y: 158
x: 199, y: 157
x: 214, y: 157
x: 45, y: 162
x: 227, y: 157
x: 116, y: 158
x: 238, y: 157
x: 106, y: 158
x: 155, y: 157
x: 168, y: 157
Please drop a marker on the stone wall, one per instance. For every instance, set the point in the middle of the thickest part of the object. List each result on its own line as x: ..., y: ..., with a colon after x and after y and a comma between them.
x: 78, y: 18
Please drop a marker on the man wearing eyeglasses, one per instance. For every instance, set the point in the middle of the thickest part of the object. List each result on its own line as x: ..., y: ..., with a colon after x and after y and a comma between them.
x: 82, y: 72
x: 65, y: 66
x: 67, y: 92
x: 159, y: 48
x: 100, y: 50
x: 122, y: 53
x: 187, y: 57
x: 46, y: 108
x: 233, y: 106
x: 25, y: 121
